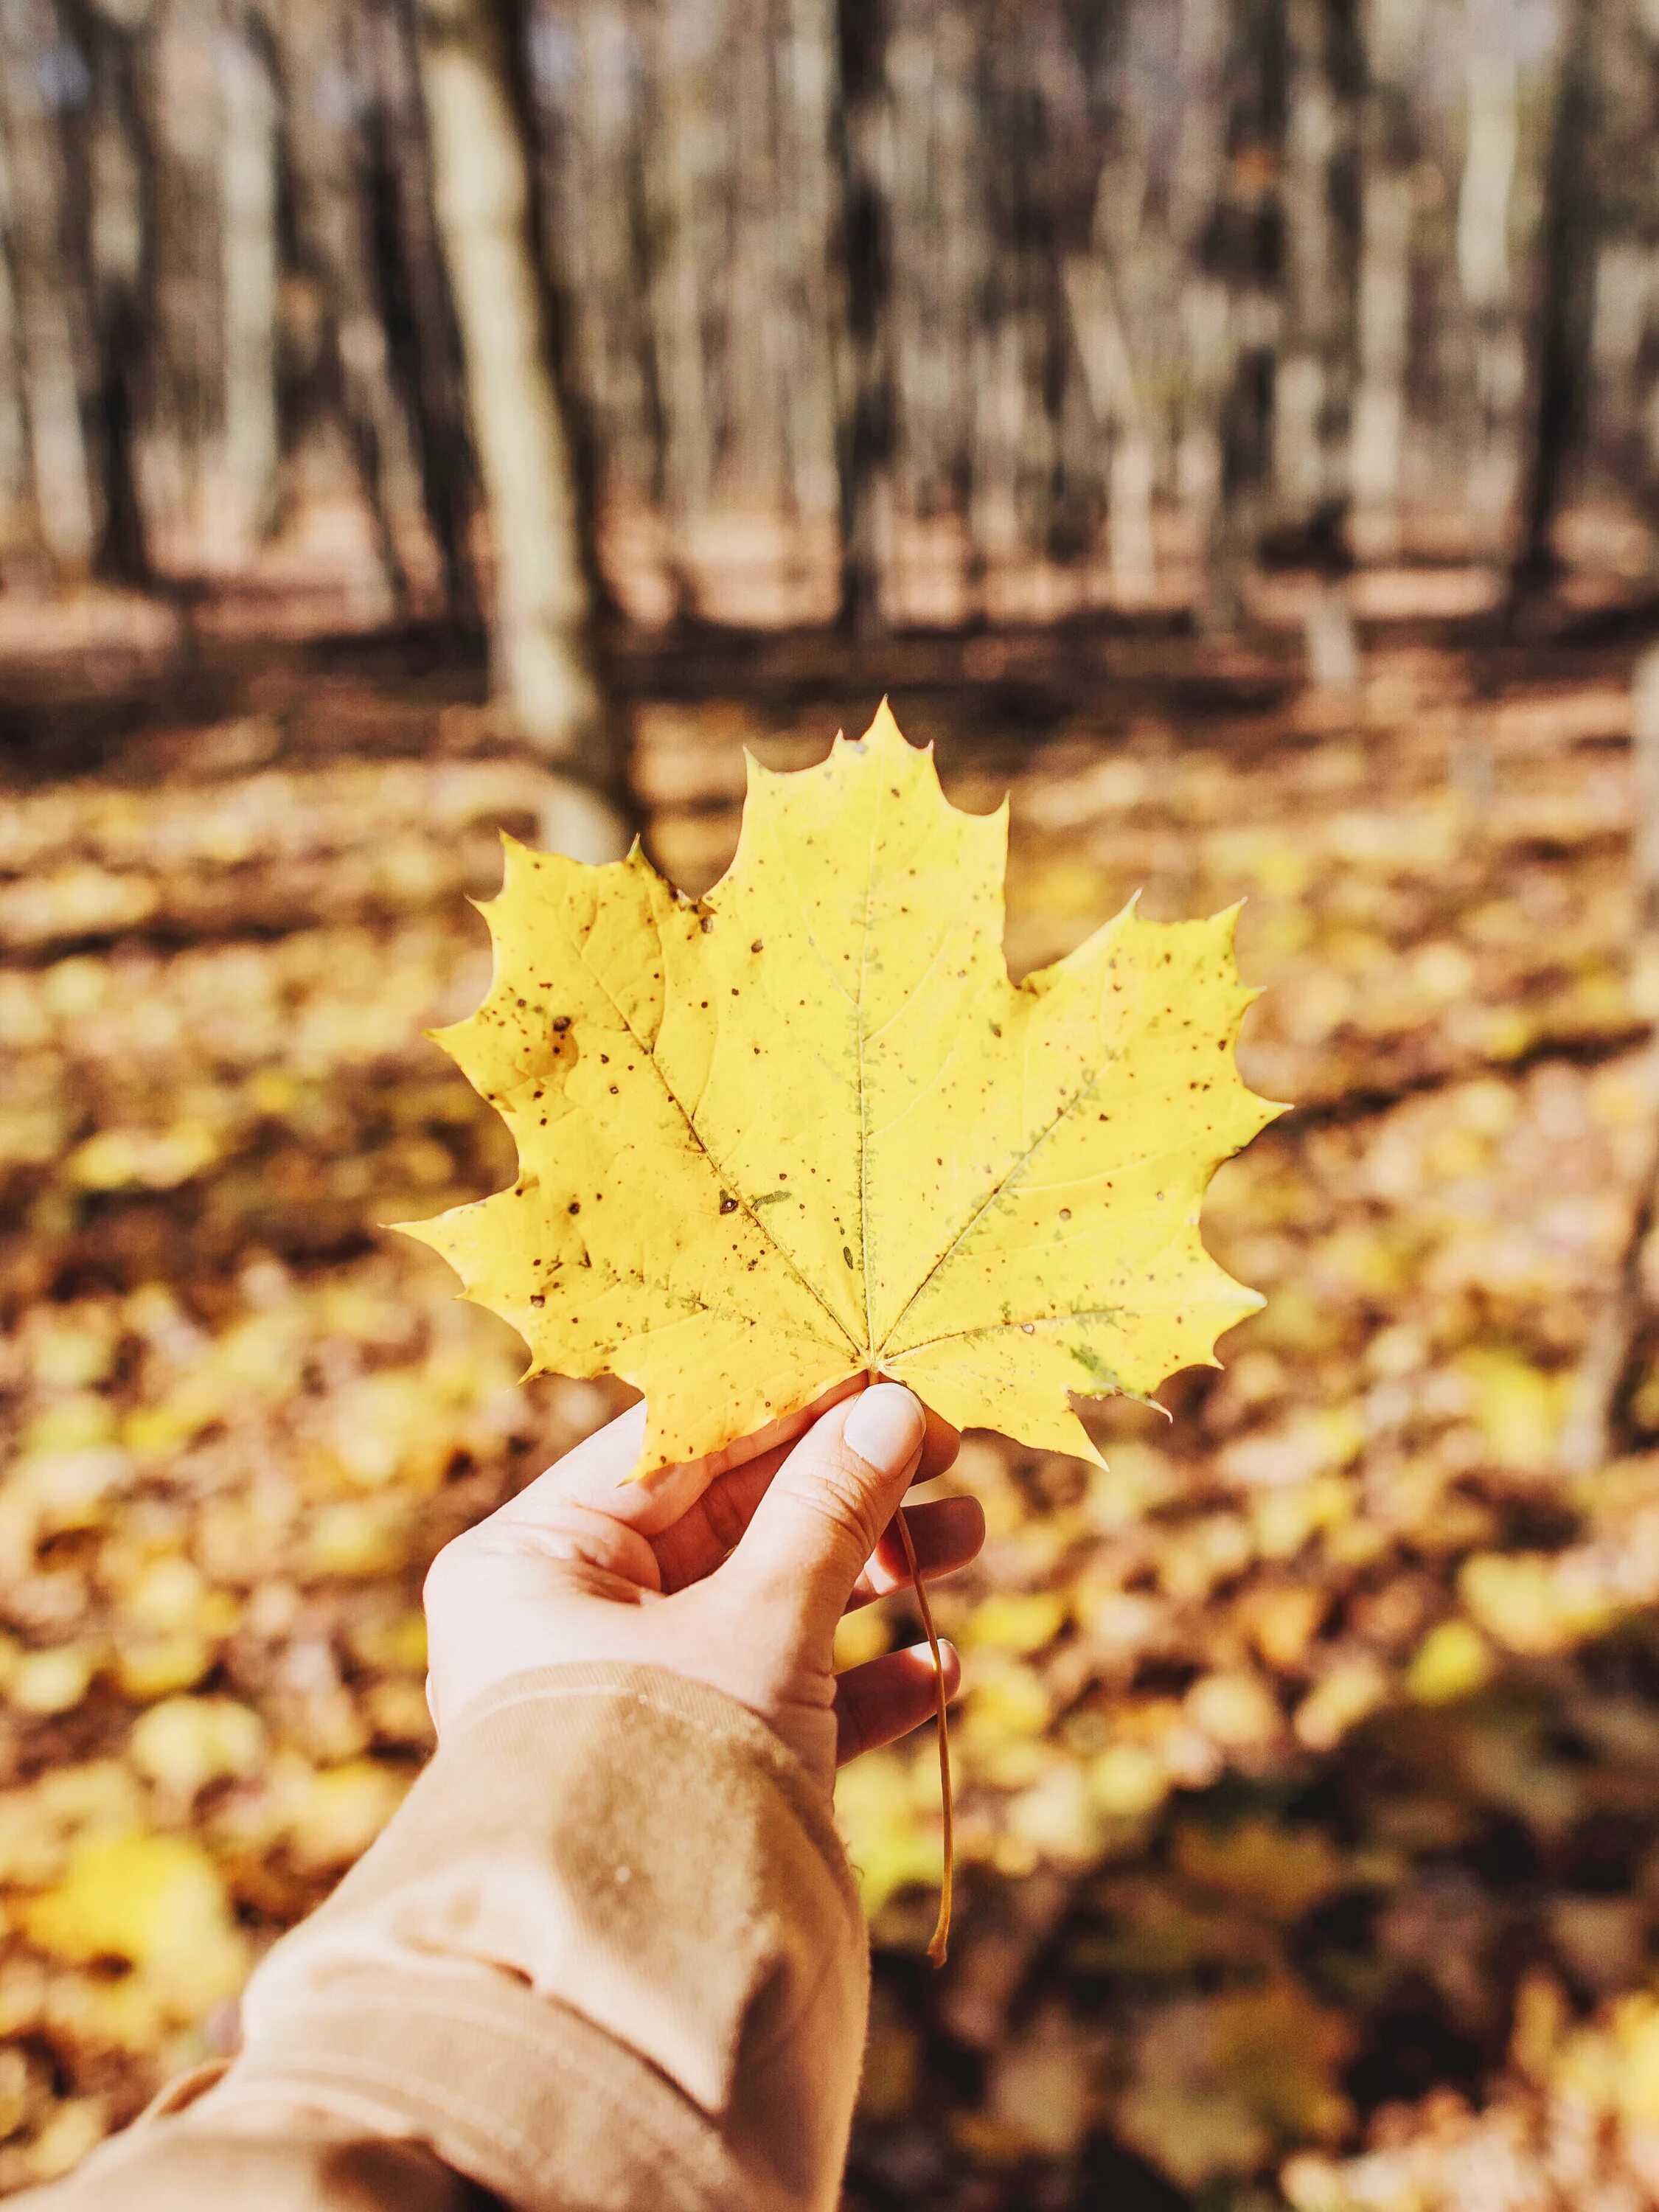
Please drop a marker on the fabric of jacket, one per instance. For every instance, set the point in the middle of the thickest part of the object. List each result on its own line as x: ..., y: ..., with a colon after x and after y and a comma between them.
x: 607, y: 1954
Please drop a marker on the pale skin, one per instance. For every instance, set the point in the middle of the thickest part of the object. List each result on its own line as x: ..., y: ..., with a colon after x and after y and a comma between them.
x: 732, y: 1572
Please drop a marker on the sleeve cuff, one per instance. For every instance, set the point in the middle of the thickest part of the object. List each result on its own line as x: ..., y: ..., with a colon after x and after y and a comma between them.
x: 610, y: 1940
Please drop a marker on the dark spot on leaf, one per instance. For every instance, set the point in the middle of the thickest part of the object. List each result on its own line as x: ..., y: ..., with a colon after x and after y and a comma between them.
x: 574, y: 1206
x: 728, y: 1204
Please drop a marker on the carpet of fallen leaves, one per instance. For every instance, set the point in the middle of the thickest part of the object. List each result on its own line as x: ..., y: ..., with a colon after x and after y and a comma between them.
x: 1309, y: 1759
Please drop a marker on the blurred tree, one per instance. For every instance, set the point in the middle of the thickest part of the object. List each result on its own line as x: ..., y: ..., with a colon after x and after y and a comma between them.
x: 1202, y: 326
x: 861, y: 279
x: 37, y: 71
x: 120, y: 201
x: 1484, y: 204
x: 1558, y: 366
x: 1591, y: 1431
x: 863, y: 133
x: 249, y: 257
x: 1122, y: 286
x: 1317, y: 362
x: 411, y: 295
x: 17, y: 514
x: 1392, y: 29
x: 1313, y: 385
x: 1244, y: 251
x: 182, y: 434
x: 543, y: 615
x: 328, y: 98
x: 679, y: 209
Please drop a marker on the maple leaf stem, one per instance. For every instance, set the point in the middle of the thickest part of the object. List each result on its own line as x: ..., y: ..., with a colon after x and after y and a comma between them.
x: 938, y: 1941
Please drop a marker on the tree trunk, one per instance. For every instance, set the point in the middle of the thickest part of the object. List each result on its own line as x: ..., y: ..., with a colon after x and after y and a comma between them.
x: 1483, y: 197
x: 1559, y: 365
x: 423, y: 349
x: 1588, y: 1434
x: 679, y: 191
x: 805, y: 252
x: 1093, y: 296
x: 546, y: 659
x: 319, y: 62
x: 1313, y: 390
x: 938, y: 200
x: 1094, y: 225
x: 249, y: 442
x: 32, y: 159
x: 17, y: 528
x: 185, y: 369
x: 864, y: 132
x: 1244, y: 251
x: 1199, y: 337
x: 1314, y: 378
x: 121, y: 215
x: 1387, y: 153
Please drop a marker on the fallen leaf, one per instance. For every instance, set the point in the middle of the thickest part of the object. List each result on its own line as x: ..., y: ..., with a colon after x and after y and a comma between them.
x: 157, y: 1902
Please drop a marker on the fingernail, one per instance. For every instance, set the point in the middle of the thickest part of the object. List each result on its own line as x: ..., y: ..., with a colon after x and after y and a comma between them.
x: 885, y: 1426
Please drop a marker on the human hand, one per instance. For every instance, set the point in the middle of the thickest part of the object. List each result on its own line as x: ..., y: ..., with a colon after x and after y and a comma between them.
x: 732, y: 1571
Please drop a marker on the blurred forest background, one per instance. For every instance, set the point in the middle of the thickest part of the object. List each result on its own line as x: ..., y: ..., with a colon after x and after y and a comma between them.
x: 1231, y: 426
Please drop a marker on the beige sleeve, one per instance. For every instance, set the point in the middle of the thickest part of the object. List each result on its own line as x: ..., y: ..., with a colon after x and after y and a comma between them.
x: 608, y: 1954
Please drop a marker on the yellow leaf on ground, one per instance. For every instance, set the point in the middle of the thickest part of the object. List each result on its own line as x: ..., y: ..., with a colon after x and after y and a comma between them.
x: 1283, y: 1872
x: 1020, y: 1622
x: 807, y: 1128
x: 54, y: 1680
x: 185, y: 1743
x: 344, y: 1808
x: 158, y: 1902
x: 1453, y: 1661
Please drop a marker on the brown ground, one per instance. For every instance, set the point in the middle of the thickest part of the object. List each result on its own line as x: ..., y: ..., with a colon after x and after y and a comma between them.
x: 1309, y: 1760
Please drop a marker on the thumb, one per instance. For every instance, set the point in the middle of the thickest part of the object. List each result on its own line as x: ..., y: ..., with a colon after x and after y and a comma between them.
x: 825, y: 1508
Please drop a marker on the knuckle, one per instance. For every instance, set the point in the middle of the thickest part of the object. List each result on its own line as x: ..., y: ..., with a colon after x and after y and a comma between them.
x: 839, y: 1487
x: 725, y: 1516
x: 578, y: 1542
x: 853, y: 1731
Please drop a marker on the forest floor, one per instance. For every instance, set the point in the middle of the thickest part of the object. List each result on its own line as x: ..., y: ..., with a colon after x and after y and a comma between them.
x: 1308, y: 1758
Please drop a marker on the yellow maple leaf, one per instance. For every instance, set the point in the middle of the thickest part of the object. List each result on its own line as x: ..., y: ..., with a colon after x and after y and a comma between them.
x: 806, y: 1127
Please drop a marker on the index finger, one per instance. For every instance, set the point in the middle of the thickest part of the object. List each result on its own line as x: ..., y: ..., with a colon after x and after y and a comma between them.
x: 715, y: 1524
x: 595, y: 1471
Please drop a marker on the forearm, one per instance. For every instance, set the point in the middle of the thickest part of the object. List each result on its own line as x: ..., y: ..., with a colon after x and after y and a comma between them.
x: 608, y: 1954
